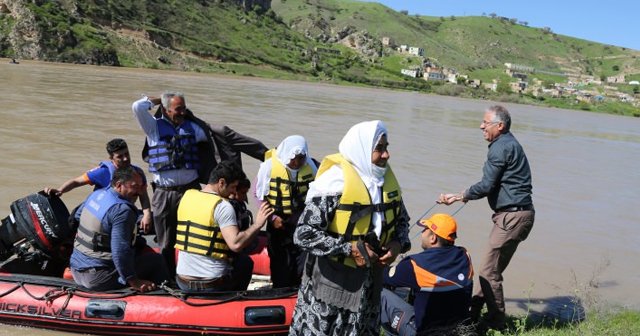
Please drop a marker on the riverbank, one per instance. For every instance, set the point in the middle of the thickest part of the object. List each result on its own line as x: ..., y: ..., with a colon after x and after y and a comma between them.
x: 416, y: 85
x: 621, y: 322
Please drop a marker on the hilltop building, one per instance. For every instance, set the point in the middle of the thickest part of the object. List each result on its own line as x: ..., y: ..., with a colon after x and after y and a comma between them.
x: 387, y: 41
x: 414, y: 72
x: 416, y: 51
x: 616, y: 79
x: 405, y: 49
x: 434, y: 74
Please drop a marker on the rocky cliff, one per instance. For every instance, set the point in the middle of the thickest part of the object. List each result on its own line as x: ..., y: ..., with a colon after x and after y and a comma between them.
x: 51, y: 31
x: 82, y: 31
x: 19, y: 30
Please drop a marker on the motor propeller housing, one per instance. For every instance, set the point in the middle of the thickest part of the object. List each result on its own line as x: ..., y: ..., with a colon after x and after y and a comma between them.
x: 37, y: 228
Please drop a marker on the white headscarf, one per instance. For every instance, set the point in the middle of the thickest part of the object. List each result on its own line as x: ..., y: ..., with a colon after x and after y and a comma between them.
x: 288, y: 149
x: 292, y: 146
x: 357, y: 147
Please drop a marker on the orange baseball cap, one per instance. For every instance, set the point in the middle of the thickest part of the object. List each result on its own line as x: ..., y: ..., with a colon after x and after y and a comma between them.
x: 442, y: 225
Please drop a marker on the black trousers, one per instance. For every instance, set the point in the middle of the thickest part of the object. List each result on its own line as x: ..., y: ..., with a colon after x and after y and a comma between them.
x: 286, y: 259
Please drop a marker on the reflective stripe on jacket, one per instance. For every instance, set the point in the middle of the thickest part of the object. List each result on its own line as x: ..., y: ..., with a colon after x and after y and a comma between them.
x: 431, y: 282
x: 197, y: 231
x: 287, y: 196
x: 176, y: 147
x: 353, y: 218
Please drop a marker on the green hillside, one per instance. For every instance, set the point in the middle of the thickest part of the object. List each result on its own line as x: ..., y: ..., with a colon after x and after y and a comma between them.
x: 466, y: 43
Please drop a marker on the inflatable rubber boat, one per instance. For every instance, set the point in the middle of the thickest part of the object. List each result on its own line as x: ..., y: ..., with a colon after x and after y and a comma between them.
x: 34, y: 242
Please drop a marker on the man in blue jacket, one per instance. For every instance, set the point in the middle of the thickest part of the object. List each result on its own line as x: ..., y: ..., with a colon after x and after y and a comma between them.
x: 104, y: 256
x: 100, y: 177
x: 441, y: 277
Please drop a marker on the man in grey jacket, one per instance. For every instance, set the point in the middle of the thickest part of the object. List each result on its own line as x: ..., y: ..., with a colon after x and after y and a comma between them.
x: 506, y: 182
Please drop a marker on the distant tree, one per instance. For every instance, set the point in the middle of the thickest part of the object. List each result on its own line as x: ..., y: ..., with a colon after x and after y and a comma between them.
x: 493, y: 15
x: 525, y: 23
x: 442, y: 18
x: 453, y: 18
x: 513, y: 20
x: 404, y: 11
x: 546, y: 30
x: 636, y: 89
x: 615, y: 68
x: 503, y: 87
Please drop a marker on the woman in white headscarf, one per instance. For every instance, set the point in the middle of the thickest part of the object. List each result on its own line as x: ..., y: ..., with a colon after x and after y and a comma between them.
x: 283, y: 180
x: 354, y: 224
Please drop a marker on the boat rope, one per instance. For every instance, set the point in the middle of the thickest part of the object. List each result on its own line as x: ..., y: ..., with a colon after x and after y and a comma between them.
x: 10, y: 290
x: 239, y: 295
x: 52, y: 294
x: 184, y: 297
x: 69, y: 291
x: 127, y: 292
x: 453, y: 214
x: 421, y: 217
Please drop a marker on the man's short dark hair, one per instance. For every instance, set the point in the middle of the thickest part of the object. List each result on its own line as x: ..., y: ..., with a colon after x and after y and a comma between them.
x: 228, y: 170
x: 244, y: 183
x: 123, y: 175
x: 116, y: 145
x: 443, y: 242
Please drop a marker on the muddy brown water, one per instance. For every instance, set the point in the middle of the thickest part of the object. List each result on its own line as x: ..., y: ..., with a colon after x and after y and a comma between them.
x: 55, y: 120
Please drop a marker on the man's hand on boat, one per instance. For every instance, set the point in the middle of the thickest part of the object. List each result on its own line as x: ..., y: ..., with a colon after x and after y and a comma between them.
x: 147, y: 221
x: 141, y: 285
x: 52, y: 192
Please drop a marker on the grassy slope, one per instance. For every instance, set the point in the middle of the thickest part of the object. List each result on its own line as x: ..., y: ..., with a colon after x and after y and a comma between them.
x: 214, y: 32
x: 221, y: 37
x: 468, y: 43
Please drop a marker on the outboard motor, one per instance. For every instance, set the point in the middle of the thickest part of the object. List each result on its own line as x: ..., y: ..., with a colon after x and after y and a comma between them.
x: 36, y: 233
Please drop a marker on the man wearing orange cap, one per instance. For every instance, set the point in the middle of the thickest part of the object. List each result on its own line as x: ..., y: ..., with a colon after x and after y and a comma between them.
x: 441, y: 277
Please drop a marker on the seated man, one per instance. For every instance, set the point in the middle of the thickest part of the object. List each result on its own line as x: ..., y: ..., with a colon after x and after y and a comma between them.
x: 103, y: 255
x: 441, y: 277
x: 208, y: 233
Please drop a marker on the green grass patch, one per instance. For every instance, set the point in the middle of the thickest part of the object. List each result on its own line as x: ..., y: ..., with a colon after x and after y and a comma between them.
x: 625, y: 322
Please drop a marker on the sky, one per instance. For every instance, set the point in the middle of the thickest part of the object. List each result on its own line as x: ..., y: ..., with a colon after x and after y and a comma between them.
x: 612, y: 22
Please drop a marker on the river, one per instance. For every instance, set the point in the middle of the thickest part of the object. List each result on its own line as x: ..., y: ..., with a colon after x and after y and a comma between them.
x: 56, y: 118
